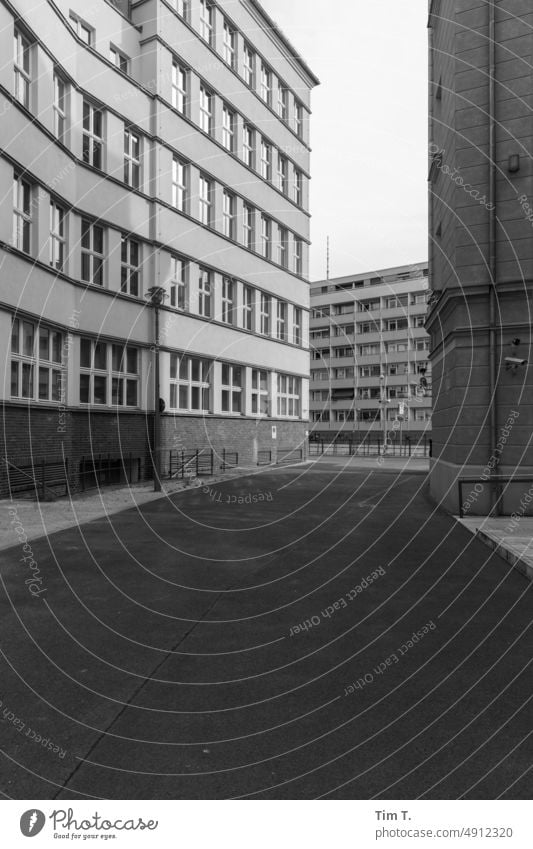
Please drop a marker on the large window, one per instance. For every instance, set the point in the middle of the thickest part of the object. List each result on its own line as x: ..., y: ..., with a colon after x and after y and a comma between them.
x: 265, y: 90
x: 289, y: 396
x: 229, y: 44
x: 264, y: 314
x: 248, y: 226
x: 247, y: 308
x: 228, y: 129
x: 281, y: 320
x: 205, y: 292
x: 60, y: 107
x: 260, y: 393
x: 206, y: 21
x: 109, y: 374
x: 179, y: 88
x: 228, y: 300
x: 266, y: 237
x: 22, y: 214
x: 132, y: 158
x: 179, y: 283
x: 248, y: 145
x: 21, y: 59
x: 206, y: 110
x: 179, y: 185
x: 36, y: 356
x: 205, y: 200
x: 231, y: 388
x: 92, y: 135
x: 248, y: 59
x: 190, y: 384
x: 92, y: 252
x: 57, y: 236
x: 228, y: 214
x: 266, y: 160
x: 130, y: 265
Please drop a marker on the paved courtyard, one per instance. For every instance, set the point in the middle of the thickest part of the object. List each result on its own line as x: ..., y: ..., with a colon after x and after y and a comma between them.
x: 308, y: 632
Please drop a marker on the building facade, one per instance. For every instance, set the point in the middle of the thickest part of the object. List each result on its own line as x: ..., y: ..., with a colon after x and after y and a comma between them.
x: 369, y: 355
x: 481, y: 251
x: 152, y: 144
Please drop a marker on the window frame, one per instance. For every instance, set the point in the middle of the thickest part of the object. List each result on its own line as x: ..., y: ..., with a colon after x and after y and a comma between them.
x: 248, y: 145
x: 57, y: 236
x: 229, y: 45
x: 130, y: 265
x: 179, y: 87
x: 266, y: 237
x: 92, y: 142
x: 248, y: 226
x: 179, y: 283
x: 180, y: 184
x: 248, y: 66
x: 232, y: 388
x: 228, y: 128
x: 110, y: 374
x: 132, y: 163
x: 22, y: 57
x: 96, y: 260
x: 22, y: 214
x: 205, y: 200
x: 60, y: 112
x: 29, y: 366
x: 289, y: 395
x: 206, y: 22
x: 206, y: 110
x: 202, y: 384
x: 248, y: 306
x: 265, y: 314
x: 228, y: 214
x: 205, y: 292
x: 228, y: 300
x: 119, y: 59
x: 265, y: 87
x: 260, y: 396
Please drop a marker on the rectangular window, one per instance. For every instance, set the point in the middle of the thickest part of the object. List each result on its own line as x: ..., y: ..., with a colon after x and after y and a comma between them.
x: 248, y: 59
x: 132, y: 158
x: 92, y: 135
x: 298, y: 255
x: 60, y: 107
x: 283, y: 249
x: 289, y: 396
x: 419, y: 320
x: 190, y: 384
x: 281, y: 321
x: 229, y: 45
x: 298, y: 119
x: 92, y: 253
x: 248, y: 227
x: 397, y: 301
x: 248, y: 145
x: 206, y: 21
x: 298, y: 187
x: 181, y: 7
x: 57, y: 236
x: 265, y: 90
x: 394, y: 324
x: 82, y: 30
x: 228, y: 300
x: 297, y: 326
x: 36, y: 360
x: 22, y: 218
x: 228, y: 214
x: 179, y: 185
x: 260, y: 393
x: 179, y: 88
x: 205, y: 197
x: 283, y: 174
x: 21, y: 60
x: 130, y: 265
x: 228, y: 129
x: 204, y: 293
x: 264, y: 315
x: 248, y: 308
x: 206, y: 110
x: 119, y: 59
x: 283, y: 102
x: 179, y: 285
x: 231, y: 388
x: 266, y: 160
x: 266, y: 237
x: 109, y: 374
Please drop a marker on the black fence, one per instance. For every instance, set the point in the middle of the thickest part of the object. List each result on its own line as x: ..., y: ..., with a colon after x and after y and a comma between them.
x: 229, y: 459
x: 289, y: 455
x: 42, y: 476
x: 97, y: 470
x: 371, y: 447
x: 190, y: 464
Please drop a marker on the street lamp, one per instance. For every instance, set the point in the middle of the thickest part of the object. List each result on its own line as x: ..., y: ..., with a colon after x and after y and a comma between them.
x: 156, y: 295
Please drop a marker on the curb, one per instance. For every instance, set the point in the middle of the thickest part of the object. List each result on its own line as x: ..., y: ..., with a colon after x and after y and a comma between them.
x: 521, y: 565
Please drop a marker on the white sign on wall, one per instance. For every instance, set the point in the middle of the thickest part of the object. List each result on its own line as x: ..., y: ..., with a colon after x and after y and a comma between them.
x: 274, y: 432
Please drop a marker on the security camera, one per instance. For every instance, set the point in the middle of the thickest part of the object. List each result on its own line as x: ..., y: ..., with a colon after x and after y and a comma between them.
x: 515, y: 361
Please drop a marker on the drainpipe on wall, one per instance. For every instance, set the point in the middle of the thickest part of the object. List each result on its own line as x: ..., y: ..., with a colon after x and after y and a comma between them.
x: 493, y: 365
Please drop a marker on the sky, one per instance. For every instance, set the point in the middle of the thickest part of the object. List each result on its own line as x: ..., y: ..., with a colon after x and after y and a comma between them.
x: 368, y: 130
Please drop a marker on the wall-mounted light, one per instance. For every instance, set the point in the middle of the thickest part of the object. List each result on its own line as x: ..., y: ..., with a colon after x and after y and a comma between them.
x: 513, y: 164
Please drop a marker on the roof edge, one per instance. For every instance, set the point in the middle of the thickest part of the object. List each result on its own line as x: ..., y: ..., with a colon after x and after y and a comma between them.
x: 283, y: 38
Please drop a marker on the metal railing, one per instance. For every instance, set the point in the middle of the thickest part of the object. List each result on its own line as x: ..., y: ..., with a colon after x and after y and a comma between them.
x: 289, y: 455
x: 97, y: 470
x: 189, y: 464
x: 371, y: 448
x: 40, y: 475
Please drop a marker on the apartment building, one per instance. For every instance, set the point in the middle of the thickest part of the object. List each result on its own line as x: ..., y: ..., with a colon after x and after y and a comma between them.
x: 369, y: 355
x: 481, y: 252
x: 152, y: 144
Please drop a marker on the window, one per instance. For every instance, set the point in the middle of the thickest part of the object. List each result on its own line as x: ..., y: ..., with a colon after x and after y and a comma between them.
x: 343, y: 373
x: 370, y: 371
x: 281, y: 321
x: 92, y: 253
x: 60, y: 107
x: 397, y: 301
x: 21, y: 59
x: 344, y: 330
x: 283, y: 247
x: 289, y: 396
x: 206, y: 110
x: 264, y: 315
x: 228, y: 128
x: 228, y: 300
x: 206, y: 21
x: 298, y: 255
x: 248, y: 145
x: 298, y: 187
x: 266, y: 160
x: 231, y: 388
x: 181, y: 7
x: 205, y: 201
x: 260, y: 393
x: 396, y: 369
x: 396, y: 347
x: 266, y: 236
x: 282, y: 174
x: 179, y: 287
x: 228, y: 214
x: 92, y: 135
x: 82, y: 30
x: 369, y: 350
x: 283, y: 101
x: 320, y: 416
x: 368, y: 306
x: 22, y: 204
x: 419, y: 320
x: 297, y: 325
x: 421, y: 345
x: 394, y: 324
x: 190, y: 383
x: 108, y: 374
x: 320, y: 374
x: 248, y: 65
x: 248, y: 226
x: 132, y: 158
x: 265, y: 89
x: 179, y: 88
x: 57, y: 236
x: 36, y: 357
x: 369, y: 415
x: 179, y: 185
x: 119, y: 59
x: 298, y: 119
x: 247, y: 308
x: 229, y: 45
x: 421, y: 415
x: 130, y: 261
x: 204, y: 293
x: 419, y: 298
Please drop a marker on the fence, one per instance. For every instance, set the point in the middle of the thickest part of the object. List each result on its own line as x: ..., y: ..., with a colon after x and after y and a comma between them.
x: 97, y: 470
x: 371, y: 448
x: 188, y: 464
x: 289, y: 455
x: 40, y: 475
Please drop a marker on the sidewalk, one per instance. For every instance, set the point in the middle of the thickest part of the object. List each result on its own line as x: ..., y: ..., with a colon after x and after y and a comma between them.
x: 377, y: 463
x: 515, y: 546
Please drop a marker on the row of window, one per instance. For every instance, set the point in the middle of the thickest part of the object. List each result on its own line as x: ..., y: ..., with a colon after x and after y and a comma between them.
x: 390, y: 325
x: 388, y: 370
x: 109, y: 376
x: 415, y: 414
x: 375, y: 304
x: 369, y: 350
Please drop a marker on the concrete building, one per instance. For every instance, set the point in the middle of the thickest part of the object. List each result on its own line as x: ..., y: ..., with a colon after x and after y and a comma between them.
x: 369, y: 355
x: 150, y: 144
x: 481, y: 250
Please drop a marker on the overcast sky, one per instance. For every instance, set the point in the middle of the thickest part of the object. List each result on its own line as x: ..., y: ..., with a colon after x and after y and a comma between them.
x: 369, y: 128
